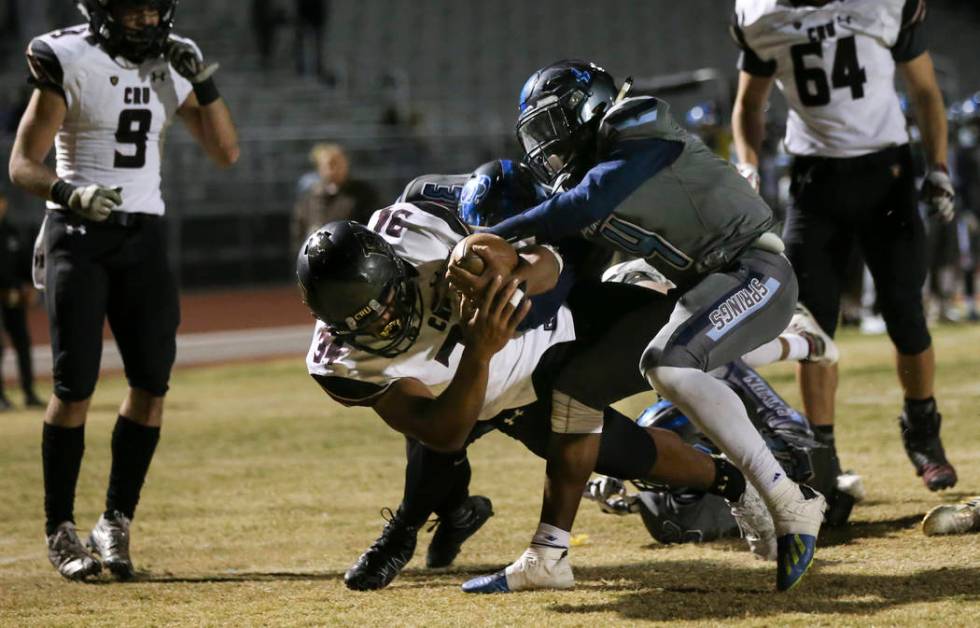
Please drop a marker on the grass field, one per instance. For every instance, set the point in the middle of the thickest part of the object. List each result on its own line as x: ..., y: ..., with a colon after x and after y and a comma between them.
x: 263, y: 492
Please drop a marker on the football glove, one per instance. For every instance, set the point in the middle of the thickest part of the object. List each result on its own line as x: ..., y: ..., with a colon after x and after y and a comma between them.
x: 938, y: 194
x: 611, y: 496
x: 95, y: 202
x: 751, y: 174
x: 187, y: 61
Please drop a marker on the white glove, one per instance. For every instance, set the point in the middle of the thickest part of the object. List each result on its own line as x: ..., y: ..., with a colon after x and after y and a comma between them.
x: 95, y: 202
x: 751, y: 174
x: 187, y: 61
x: 937, y: 192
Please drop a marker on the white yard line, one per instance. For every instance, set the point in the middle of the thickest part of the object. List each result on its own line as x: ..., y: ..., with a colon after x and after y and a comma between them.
x: 203, y: 348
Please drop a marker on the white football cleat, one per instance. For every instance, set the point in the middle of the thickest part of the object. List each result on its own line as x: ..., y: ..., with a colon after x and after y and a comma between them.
x: 537, y: 568
x: 755, y: 522
x: 797, y: 522
x: 822, y: 347
x: 953, y: 518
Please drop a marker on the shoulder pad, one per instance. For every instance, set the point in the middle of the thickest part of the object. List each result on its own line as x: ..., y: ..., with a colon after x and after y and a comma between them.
x: 642, y: 117
x: 748, y: 12
x: 440, y: 188
x: 45, y: 66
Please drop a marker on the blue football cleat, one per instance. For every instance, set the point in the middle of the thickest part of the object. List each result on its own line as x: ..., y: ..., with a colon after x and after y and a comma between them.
x: 537, y: 568
x: 493, y: 583
x: 794, y: 557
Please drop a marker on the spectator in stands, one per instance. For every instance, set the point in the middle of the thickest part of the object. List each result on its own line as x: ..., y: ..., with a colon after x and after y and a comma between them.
x: 267, y: 17
x: 15, y: 297
x: 311, y: 24
x: 332, y: 195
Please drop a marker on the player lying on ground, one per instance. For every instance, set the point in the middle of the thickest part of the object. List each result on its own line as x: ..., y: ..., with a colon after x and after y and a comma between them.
x: 104, y: 94
x: 682, y: 515
x: 390, y: 338
x: 623, y: 172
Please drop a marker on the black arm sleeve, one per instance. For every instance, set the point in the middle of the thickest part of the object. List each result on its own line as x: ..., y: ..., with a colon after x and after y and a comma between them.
x: 911, y: 40
x: 46, y: 71
x: 748, y: 60
x: 349, y: 392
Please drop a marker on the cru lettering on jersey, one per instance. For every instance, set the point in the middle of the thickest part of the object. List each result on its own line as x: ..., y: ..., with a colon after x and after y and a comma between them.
x: 137, y: 96
x: 737, y: 307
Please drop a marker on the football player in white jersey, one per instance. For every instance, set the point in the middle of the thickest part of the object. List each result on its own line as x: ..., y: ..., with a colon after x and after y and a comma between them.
x: 387, y: 337
x: 853, y: 179
x: 104, y: 93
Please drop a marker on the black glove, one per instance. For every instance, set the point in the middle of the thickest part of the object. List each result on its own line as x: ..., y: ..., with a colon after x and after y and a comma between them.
x: 188, y: 62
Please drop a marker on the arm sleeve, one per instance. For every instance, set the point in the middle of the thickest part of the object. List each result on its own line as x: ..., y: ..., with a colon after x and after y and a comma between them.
x: 350, y: 392
x: 911, y: 40
x: 46, y: 70
x: 598, y: 194
x: 748, y: 60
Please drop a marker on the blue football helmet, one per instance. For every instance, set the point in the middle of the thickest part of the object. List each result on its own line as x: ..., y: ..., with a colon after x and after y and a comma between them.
x: 496, y: 191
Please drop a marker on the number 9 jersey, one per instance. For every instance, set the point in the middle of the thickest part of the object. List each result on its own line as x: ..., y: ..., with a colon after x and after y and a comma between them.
x: 835, y: 63
x: 117, y: 113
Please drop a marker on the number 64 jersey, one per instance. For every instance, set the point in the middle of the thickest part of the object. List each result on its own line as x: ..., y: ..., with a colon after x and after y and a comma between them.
x: 424, y: 234
x: 117, y: 113
x: 835, y: 63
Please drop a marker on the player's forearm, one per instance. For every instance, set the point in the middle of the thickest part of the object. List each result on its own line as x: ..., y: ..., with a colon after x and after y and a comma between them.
x: 220, y: 137
x: 748, y: 131
x: 447, y: 420
x: 930, y: 114
x: 32, y: 176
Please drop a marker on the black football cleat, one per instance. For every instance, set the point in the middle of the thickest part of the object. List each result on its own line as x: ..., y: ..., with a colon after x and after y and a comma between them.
x: 378, y: 566
x: 453, y: 531
x: 920, y: 435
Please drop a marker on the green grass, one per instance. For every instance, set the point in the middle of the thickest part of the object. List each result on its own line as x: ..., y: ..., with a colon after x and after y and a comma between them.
x: 263, y: 492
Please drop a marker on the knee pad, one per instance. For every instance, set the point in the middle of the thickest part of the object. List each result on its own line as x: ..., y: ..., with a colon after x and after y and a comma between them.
x: 569, y: 416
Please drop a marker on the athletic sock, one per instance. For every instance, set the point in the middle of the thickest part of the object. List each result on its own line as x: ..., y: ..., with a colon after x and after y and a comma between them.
x: 551, y: 536
x: 61, y: 458
x: 764, y: 354
x: 720, y: 414
x: 133, y: 445
x: 797, y: 347
x: 729, y: 481
x: 918, y: 409
x: 435, y: 482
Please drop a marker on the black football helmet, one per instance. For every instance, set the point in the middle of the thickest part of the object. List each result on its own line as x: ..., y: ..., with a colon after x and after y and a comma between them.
x: 136, y: 45
x: 353, y: 281
x: 561, y: 106
x: 496, y: 191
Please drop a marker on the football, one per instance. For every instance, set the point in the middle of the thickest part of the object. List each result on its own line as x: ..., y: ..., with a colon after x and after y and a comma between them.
x: 495, y: 252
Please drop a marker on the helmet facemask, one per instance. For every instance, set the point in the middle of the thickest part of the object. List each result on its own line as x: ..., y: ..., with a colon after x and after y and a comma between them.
x: 556, y: 147
x: 135, y: 45
x: 386, y: 327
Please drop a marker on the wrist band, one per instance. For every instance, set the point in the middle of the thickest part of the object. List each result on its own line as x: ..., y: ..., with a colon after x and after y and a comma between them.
x: 61, y: 192
x: 206, y: 92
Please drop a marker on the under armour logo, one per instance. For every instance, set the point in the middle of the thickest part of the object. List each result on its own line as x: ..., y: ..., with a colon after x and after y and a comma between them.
x: 72, y: 229
x: 777, y: 476
x: 158, y: 76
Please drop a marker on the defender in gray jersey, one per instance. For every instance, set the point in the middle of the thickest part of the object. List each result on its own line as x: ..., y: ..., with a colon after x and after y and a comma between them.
x: 623, y: 173
x: 853, y: 180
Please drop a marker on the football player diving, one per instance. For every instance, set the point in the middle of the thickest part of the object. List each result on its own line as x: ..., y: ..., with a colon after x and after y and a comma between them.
x: 622, y: 172
x: 390, y: 337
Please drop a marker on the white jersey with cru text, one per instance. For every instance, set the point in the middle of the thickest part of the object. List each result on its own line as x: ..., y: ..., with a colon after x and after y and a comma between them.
x: 424, y: 235
x: 835, y: 64
x: 117, y: 114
